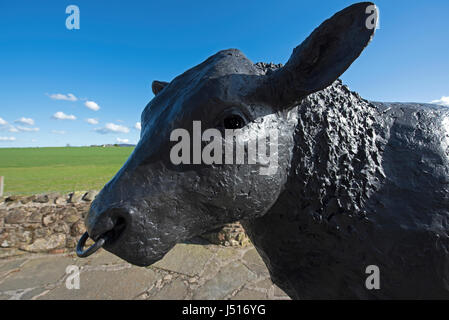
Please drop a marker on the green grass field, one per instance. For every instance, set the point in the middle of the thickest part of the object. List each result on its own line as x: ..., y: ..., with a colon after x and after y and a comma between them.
x: 39, y: 170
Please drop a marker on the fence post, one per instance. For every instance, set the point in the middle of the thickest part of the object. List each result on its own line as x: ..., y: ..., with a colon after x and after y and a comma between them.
x: 1, y: 185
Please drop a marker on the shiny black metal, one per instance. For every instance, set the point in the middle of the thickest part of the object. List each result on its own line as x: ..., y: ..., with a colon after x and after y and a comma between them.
x: 80, y: 252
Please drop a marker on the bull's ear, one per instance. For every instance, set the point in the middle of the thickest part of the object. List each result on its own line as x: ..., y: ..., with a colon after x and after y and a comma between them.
x: 157, y: 86
x: 323, y: 56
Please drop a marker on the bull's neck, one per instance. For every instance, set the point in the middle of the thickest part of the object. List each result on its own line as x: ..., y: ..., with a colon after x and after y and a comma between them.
x: 333, y: 172
x: 335, y: 156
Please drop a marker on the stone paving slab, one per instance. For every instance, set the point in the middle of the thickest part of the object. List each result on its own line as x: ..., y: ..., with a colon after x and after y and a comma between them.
x: 194, y: 270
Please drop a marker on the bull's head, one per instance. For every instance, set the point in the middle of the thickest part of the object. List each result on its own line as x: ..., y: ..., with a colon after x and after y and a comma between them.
x: 154, y: 202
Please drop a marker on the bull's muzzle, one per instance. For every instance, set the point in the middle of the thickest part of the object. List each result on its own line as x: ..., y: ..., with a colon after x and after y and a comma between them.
x: 104, y: 230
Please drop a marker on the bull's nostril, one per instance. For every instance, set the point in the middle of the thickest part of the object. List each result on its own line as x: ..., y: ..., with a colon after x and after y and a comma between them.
x: 114, y: 234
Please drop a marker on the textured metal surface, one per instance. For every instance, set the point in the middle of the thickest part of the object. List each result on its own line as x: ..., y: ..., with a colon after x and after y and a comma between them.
x: 358, y: 183
x: 368, y: 185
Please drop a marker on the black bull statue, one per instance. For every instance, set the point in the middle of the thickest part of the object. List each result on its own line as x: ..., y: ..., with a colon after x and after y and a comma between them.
x: 358, y: 184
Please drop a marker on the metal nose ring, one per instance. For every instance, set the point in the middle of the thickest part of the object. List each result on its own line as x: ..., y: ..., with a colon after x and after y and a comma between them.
x: 92, y: 249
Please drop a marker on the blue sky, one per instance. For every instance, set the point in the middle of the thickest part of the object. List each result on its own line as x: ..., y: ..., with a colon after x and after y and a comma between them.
x: 122, y: 46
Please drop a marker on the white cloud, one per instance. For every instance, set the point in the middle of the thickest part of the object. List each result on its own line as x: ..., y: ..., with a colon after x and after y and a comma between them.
x: 112, y: 127
x: 15, y: 129
x: 444, y: 101
x: 58, y: 131
x: 92, y: 121
x: 25, y: 129
x: 138, y: 126
x: 66, y: 97
x: 7, y: 139
x: 122, y: 140
x: 92, y: 105
x: 24, y: 120
x: 62, y: 116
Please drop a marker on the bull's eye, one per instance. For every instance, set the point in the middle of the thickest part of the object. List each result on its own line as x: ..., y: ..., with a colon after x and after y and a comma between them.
x: 233, y: 122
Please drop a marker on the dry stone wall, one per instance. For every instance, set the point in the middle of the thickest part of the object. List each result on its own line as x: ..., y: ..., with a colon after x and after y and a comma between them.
x: 52, y: 223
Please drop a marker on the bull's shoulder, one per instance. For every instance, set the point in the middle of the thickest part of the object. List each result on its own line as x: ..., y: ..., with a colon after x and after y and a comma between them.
x: 422, y: 129
x: 415, y: 161
x: 412, y: 114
